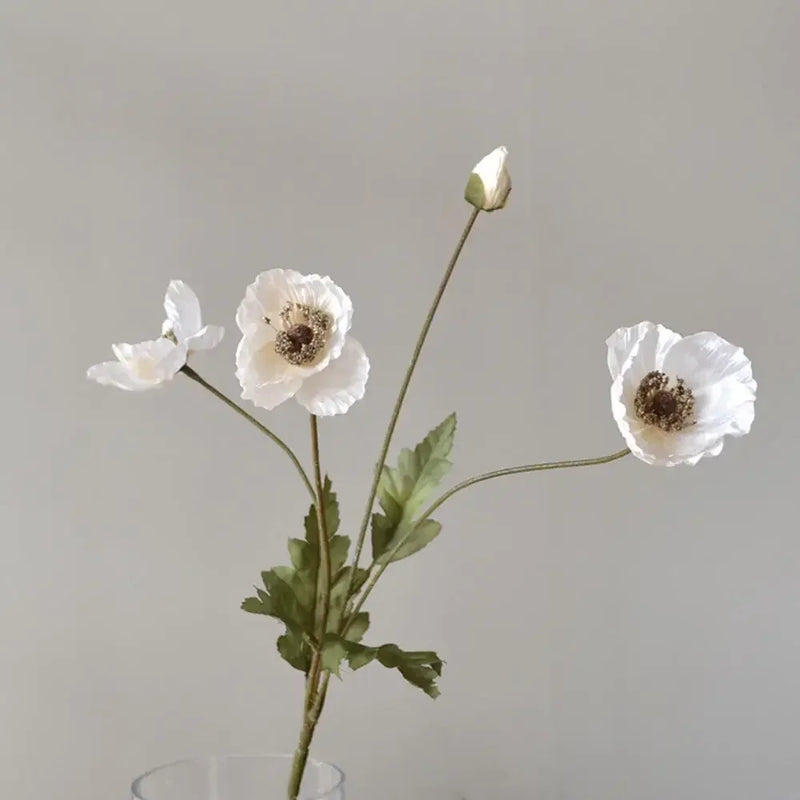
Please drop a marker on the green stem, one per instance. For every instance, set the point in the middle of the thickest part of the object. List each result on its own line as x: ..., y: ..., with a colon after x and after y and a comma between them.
x: 387, y: 439
x: 486, y: 476
x: 323, y: 597
x: 190, y: 373
x: 316, y: 682
x: 310, y: 719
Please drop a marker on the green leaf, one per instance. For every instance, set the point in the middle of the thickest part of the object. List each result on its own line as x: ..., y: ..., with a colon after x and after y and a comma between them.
x: 419, y: 667
x: 403, y: 490
x: 295, y: 651
x: 339, y: 591
x: 330, y: 505
x: 289, y: 593
x: 422, y: 533
x: 358, y: 627
x: 334, y: 651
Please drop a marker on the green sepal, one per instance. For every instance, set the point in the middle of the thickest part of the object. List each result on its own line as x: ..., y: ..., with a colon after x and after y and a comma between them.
x: 475, y: 193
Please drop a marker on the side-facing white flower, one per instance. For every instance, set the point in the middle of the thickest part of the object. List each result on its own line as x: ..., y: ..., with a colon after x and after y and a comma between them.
x: 295, y: 344
x: 149, y: 364
x: 675, y: 399
x: 489, y: 183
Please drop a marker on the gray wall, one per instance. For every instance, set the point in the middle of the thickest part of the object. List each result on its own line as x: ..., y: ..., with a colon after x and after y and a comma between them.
x: 618, y: 633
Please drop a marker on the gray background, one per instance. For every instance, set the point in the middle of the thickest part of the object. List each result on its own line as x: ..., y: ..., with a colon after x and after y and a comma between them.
x: 618, y: 633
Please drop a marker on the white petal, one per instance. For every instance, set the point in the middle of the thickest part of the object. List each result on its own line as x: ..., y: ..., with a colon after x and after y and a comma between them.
x: 270, y: 395
x: 339, y: 385
x: 153, y: 361
x: 638, y: 350
x: 172, y: 362
x: 622, y: 343
x: 183, y: 311
x: 257, y: 363
x: 115, y: 373
x: 206, y: 338
x: 704, y: 358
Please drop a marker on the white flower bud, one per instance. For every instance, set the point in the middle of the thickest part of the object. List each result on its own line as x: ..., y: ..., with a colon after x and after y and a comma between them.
x: 489, y: 183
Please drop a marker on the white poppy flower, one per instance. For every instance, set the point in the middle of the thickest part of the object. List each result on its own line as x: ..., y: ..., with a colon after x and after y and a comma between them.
x: 675, y: 399
x: 489, y: 184
x: 295, y: 344
x: 149, y: 364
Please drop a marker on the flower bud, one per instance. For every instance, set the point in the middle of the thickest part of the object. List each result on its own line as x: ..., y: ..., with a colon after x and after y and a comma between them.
x: 489, y: 183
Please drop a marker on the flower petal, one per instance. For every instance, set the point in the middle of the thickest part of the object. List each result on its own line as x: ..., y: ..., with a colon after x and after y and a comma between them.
x: 270, y: 395
x: 705, y: 358
x: 115, y: 373
x: 206, y: 338
x: 639, y: 349
x: 183, y: 311
x: 172, y: 362
x: 339, y: 385
x: 258, y: 364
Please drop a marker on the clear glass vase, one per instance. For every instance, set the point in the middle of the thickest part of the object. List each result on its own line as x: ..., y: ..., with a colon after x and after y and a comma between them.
x: 237, y: 778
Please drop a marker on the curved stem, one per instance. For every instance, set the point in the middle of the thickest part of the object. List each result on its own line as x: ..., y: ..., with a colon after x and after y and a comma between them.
x: 486, y: 476
x: 387, y: 439
x: 190, y: 373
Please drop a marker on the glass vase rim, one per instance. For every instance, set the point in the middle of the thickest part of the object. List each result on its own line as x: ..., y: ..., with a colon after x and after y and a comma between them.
x: 337, y: 772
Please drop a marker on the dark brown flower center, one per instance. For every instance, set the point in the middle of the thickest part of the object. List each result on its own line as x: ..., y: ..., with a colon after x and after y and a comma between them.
x: 298, y: 335
x: 669, y: 408
x: 304, y: 334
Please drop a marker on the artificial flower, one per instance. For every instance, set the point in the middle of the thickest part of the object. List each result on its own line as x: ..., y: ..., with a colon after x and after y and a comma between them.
x: 675, y: 398
x: 150, y: 364
x: 489, y: 183
x: 295, y: 343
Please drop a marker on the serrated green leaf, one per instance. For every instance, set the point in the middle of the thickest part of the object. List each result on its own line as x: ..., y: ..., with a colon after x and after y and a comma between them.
x: 301, y: 556
x: 294, y: 650
x: 253, y: 605
x: 358, y: 627
x: 334, y: 651
x: 403, y: 490
x: 421, y: 534
x: 339, y: 592
x: 339, y: 548
x: 330, y: 505
x: 419, y: 667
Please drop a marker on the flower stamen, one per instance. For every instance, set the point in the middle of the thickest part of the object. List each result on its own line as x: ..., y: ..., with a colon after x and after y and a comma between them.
x: 668, y: 408
x: 304, y: 335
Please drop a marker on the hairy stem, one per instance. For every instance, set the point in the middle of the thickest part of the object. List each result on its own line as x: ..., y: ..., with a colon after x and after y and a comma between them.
x: 387, y: 439
x: 190, y: 373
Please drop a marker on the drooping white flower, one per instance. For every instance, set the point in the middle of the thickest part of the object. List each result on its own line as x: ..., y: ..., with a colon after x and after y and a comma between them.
x: 675, y: 399
x: 489, y: 183
x: 150, y: 364
x: 295, y: 344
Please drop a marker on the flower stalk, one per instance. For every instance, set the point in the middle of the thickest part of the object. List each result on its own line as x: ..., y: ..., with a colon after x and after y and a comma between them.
x: 190, y: 373
x: 316, y: 682
x: 486, y: 476
x: 387, y: 439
